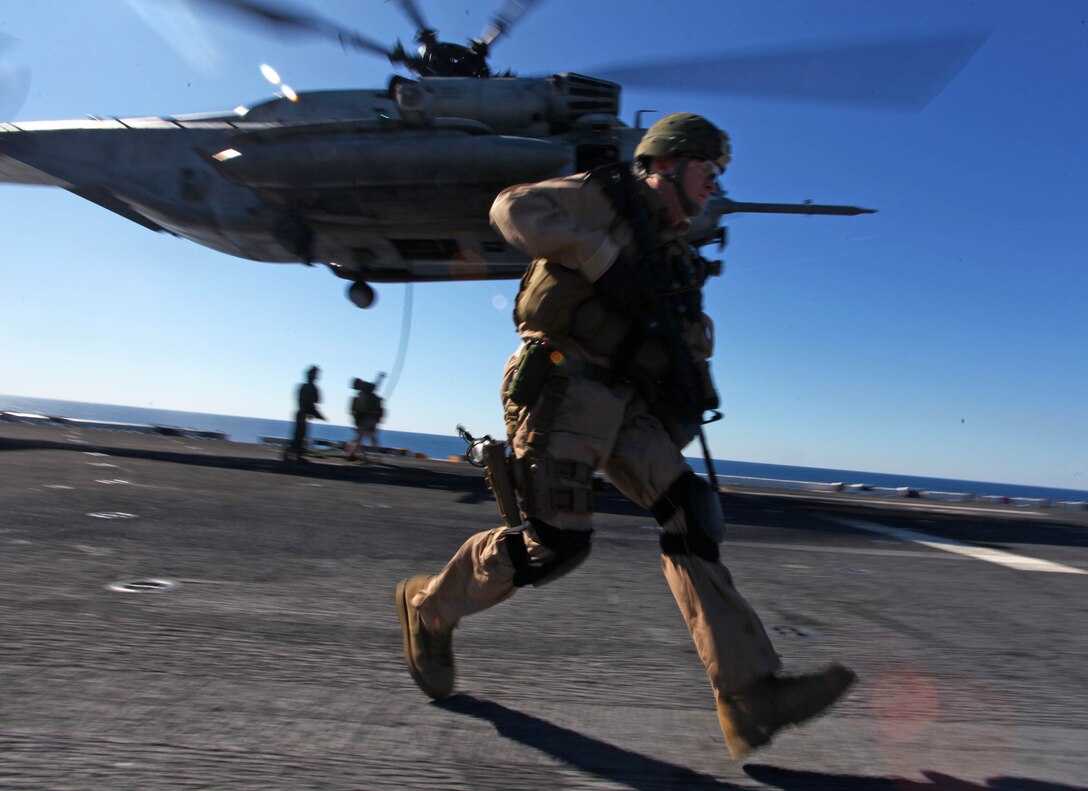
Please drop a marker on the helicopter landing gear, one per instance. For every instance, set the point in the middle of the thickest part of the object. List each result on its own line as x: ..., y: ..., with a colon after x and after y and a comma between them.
x: 361, y: 294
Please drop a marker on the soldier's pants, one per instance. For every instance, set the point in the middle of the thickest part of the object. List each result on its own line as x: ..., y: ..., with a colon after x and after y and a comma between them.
x: 610, y: 428
x: 298, y: 440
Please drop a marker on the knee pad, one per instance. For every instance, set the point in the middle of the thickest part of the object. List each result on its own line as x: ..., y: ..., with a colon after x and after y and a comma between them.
x: 703, y: 526
x: 569, y: 548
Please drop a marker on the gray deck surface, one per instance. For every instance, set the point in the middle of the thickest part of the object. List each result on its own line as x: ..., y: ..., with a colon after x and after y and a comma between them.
x: 275, y: 663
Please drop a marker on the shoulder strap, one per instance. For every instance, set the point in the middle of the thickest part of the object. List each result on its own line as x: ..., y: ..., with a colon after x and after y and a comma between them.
x: 619, y: 184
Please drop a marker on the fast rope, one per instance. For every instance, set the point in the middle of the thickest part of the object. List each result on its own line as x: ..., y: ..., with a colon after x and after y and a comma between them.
x: 402, y: 351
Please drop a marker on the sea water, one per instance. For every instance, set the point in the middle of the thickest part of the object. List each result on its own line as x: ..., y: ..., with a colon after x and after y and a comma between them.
x: 249, y: 429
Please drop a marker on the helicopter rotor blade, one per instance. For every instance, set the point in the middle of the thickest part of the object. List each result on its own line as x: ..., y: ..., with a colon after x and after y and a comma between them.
x: 411, y: 10
x: 501, y: 22
x: 287, y: 21
x: 14, y: 82
x: 904, y: 73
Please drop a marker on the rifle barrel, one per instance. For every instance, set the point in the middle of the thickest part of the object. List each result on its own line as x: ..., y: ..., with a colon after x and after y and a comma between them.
x: 729, y: 206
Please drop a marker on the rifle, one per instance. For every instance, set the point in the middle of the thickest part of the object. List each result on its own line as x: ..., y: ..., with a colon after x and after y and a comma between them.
x: 675, y: 294
x: 705, y: 228
x: 723, y: 205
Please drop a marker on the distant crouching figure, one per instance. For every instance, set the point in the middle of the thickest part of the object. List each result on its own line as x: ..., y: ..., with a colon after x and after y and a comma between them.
x: 366, y: 411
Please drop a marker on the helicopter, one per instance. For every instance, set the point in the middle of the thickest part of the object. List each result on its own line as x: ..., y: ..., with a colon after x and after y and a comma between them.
x: 381, y: 185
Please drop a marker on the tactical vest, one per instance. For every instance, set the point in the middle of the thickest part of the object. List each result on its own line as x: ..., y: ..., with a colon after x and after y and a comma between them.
x: 560, y: 303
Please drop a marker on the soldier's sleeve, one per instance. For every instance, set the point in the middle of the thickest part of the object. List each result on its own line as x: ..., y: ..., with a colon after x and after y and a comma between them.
x: 563, y: 220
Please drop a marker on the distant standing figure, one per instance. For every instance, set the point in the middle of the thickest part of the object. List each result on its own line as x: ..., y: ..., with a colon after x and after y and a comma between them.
x: 308, y: 399
x: 367, y: 412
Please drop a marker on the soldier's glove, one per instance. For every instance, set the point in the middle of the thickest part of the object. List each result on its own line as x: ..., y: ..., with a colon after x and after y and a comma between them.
x: 623, y: 287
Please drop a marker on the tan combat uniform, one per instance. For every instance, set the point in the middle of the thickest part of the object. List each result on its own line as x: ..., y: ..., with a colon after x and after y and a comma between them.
x: 584, y: 422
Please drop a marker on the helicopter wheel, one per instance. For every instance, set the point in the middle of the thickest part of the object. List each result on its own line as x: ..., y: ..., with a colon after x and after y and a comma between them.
x: 361, y: 294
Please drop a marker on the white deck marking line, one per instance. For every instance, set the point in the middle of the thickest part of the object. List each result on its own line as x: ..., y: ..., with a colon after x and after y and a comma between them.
x: 731, y: 544
x: 997, y: 556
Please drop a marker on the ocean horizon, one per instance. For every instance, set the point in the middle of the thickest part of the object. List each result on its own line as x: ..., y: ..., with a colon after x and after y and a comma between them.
x: 251, y: 430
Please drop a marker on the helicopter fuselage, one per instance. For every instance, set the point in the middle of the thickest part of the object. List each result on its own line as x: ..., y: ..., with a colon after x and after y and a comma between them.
x: 382, y: 185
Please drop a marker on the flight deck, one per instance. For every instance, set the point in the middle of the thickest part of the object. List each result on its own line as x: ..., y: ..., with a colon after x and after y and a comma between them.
x: 183, y: 613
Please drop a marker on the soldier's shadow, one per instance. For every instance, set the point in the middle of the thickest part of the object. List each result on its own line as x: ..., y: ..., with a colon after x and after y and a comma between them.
x: 797, y: 780
x: 643, y: 773
x: 583, y: 752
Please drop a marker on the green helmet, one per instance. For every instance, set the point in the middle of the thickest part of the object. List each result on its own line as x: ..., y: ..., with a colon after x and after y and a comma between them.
x: 685, y: 135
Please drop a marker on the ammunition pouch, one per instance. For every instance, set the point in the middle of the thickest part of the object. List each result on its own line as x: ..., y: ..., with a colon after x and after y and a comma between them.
x: 545, y: 486
x: 681, y: 409
x: 535, y: 363
x: 689, y: 394
x: 549, y: 297
x: 537, y: 360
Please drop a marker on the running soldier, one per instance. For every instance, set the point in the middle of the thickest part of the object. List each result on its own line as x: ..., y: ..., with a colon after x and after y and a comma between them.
x: 612, y: 375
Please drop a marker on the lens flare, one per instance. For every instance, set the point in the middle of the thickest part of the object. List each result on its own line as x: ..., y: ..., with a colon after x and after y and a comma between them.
x: 270, y: 74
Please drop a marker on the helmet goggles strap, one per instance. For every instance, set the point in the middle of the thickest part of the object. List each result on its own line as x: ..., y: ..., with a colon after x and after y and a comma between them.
x: 676, y: 178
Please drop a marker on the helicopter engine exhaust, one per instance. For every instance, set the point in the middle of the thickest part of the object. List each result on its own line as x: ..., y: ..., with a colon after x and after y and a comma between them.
x: 361, y: 294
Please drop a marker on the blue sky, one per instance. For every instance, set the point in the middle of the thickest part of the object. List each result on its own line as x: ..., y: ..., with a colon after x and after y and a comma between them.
x: 943, y: 336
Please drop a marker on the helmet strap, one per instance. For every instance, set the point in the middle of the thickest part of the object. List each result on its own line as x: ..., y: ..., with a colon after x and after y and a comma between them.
x: 676, y: 178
